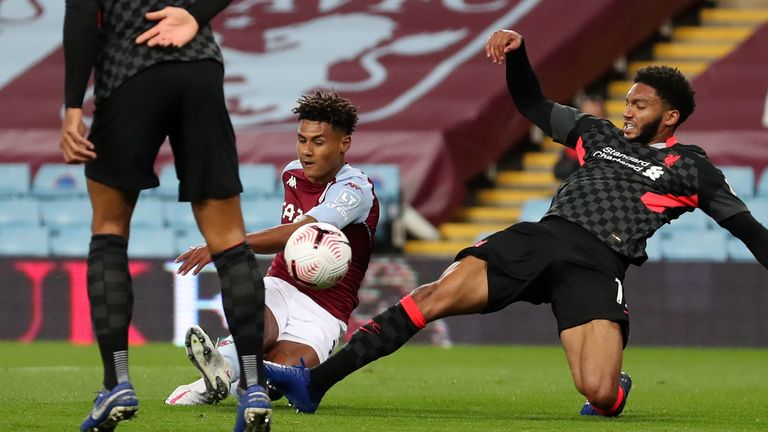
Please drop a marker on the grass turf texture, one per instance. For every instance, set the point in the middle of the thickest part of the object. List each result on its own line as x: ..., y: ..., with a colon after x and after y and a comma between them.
x: 50, y: 386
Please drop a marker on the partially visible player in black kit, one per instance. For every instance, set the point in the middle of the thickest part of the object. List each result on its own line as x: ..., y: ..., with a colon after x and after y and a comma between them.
x: 158, y: 73
x: 631, y: 181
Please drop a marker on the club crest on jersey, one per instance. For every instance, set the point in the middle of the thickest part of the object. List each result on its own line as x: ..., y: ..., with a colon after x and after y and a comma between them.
x: 671, y: 159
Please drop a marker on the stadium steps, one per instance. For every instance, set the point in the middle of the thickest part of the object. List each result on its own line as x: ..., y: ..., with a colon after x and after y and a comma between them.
x: 693, y: 48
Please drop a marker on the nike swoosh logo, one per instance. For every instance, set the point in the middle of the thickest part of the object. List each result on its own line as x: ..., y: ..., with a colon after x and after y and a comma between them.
x: 100, y: 410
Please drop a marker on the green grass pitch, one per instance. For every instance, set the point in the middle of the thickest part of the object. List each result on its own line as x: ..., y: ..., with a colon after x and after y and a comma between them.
x: 50, y: 387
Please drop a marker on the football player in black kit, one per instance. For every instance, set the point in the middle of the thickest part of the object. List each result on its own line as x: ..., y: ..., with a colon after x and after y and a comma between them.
x: 631, y: 181
x: 158, y: 73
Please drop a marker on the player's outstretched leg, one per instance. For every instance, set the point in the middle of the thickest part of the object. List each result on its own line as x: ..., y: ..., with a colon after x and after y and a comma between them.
x: 214, y: 369
x: 625, y: 385
x: 254, y: 410
x: 293, y: 382
x: 110, y: 408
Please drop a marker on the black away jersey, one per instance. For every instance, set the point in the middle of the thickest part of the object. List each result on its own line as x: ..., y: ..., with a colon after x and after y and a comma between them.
x: 625, y: 191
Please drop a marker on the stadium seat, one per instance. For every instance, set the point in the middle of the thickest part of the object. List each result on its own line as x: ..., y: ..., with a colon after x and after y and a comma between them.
x: 71, y: 242
x: 26, y: 241
x: 762, y: 185
x: 741, y: 179
x: 534, y: 209
x: 14, y: 179
x: 262, y: 213
x: 169, y: 183
x: 59, y: 180
x: 653, y: 247
x: 388, y: 189
x: 179, y: 216
x: 187, y: 239
x: 759, y: 209
x: 259, y: 180
x: 148, y: 213
x: 692, y: 221
x: 19, y: 212
x: 152, y: 243
x: 738, y: 252
x: 66, y: 213
x: 692, y: 245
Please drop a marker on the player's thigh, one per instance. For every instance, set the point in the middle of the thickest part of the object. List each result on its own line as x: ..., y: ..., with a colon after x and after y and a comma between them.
x: 128, y: 128
x: 462, y: 289
x: 292, y: 353
x: 203, y: 140
x: 112, y: 209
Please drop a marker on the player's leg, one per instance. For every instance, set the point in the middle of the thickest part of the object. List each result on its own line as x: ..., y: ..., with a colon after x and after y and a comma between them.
x: 462, y: 289
x: 111, y: 300
x: 595, y: 351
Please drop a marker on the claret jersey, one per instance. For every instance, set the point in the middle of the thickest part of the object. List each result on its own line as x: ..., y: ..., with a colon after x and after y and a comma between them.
x: 625, y: 191
x: 347, y: 202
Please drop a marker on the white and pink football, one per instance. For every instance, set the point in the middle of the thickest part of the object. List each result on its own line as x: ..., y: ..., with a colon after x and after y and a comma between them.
x: 318, y: 254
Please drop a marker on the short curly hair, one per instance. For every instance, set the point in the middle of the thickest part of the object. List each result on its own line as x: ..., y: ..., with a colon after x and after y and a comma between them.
x: 671, y: 86
x: 328, y: 107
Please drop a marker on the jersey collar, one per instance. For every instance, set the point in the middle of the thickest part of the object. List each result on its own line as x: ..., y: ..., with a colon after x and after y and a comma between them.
x: 669, y: 143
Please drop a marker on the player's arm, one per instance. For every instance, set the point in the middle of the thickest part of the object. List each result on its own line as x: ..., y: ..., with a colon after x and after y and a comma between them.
x: 754, y: 235
x: 268, y: 241
x: 556, y: 120
x: 177, y: 26
x: 81, y: 46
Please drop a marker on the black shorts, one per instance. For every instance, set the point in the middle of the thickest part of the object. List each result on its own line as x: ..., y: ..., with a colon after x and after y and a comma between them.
x: 558, y: 262
x: 183, y: 101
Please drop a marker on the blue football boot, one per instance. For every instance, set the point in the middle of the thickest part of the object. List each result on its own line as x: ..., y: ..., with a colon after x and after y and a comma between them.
x: 110, y: 408
x: 625, y: 381
x: 254, y: 410
x: 293, y: 382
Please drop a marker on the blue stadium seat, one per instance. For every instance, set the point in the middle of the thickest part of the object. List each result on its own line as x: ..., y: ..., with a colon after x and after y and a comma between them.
x: 169, y: 183
x: 653, y: 247
x: 71, y: 242
x: 534, y: 209
x: 759, y: 209
x: 692, y: 221
x: 692, y: 245
x: 187, y: 239
x: 19, y: 212
x: 762, y: 184
x: 148, y: 213
x: 259, y: 180
x: 14, y: 179
x: 262, y: 213
x: 152, y: 243
x: 179, y: 216
x: 59, y: 180
x: 66, y: 213
x: 741, y: 179
x: 386, y: 180
x: 24, y: 241
x: 738, y: 252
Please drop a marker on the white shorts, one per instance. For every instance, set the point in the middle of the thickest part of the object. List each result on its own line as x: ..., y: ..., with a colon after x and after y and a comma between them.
x: 300, y: 319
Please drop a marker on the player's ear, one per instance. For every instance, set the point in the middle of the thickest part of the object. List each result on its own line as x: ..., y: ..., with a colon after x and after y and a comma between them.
x: 346, y: 143
x: 671, y: 117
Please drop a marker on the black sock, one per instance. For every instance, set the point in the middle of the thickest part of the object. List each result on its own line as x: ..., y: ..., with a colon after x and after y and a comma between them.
x: 242, y: 294
x: 382, y: 335
x: 110, y: 293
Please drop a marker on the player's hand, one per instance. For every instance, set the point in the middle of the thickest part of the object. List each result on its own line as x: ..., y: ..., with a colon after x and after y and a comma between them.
x: 195, y: 258
x: 175, y: 27
x: 75, y: 148
x: 500, y: 43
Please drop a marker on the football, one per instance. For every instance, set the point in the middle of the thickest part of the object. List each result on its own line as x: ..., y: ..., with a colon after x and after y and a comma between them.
x: 318, y: 254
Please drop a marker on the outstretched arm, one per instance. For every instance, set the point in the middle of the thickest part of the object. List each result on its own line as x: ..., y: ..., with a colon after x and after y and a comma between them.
x: 754, y: 235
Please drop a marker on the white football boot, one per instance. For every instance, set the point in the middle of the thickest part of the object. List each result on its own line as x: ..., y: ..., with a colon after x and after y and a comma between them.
x: 190, y: 394
x: 214, y: 369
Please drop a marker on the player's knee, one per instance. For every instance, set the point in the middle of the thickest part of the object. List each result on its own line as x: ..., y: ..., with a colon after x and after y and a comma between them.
x: 429, y: 300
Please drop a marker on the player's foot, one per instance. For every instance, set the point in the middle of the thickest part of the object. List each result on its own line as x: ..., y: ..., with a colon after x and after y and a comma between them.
x: 293, y: 382
x: 625, y: 381
x: 254, y: 410
x: 208, y: 360
x: 191, y: 394
x: 111, y: 407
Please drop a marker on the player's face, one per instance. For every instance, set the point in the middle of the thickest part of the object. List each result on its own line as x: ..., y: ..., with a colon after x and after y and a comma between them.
x: 647, y: 119
x: 321, y: 150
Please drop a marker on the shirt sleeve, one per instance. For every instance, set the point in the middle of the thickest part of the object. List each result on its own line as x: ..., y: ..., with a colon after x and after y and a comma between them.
x: 716, y: 197
x: 81, y: 45
x: 204, y: 10
x: 345, y: 202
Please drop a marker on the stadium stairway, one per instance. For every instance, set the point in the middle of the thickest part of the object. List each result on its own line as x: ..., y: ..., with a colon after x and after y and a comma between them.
x: 690, y: 48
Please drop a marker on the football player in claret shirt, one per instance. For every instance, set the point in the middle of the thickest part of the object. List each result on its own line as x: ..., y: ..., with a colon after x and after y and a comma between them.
x: 302, y: 324
x: 631, y: 181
